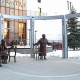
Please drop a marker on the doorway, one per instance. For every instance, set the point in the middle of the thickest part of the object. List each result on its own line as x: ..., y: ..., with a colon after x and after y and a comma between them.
x: 6, y: 30
x: 22, y: 33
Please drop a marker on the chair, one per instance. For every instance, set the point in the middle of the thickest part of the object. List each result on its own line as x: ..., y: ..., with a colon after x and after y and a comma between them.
x: 10, y: 50
x: 36, y: 51
x: 36, y: 55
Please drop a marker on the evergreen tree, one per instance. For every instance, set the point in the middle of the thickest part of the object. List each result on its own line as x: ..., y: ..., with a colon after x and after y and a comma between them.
x: 73, y: 31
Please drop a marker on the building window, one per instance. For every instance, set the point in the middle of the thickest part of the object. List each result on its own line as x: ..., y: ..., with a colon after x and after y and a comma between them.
x: 2, y: 10
x: 2, y: 2
x: 39, y: 1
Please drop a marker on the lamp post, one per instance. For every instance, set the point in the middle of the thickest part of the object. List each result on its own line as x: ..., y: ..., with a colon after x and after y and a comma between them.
x: 28, y: 37
x: 35, y: 35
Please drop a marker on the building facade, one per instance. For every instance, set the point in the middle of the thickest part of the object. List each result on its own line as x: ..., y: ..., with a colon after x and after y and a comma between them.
x: 14, y: 29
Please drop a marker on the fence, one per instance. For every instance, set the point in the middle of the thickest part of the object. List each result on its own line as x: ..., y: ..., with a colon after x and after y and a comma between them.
x: 35, y: 13
x: 25, y: 42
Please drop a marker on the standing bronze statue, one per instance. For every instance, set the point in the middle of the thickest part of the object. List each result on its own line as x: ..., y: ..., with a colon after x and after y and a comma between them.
x: 43, y: 42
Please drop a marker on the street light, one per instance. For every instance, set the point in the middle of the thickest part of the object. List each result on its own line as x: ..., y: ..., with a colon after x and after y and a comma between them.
x: 29, y: 37
x: 35, y: 35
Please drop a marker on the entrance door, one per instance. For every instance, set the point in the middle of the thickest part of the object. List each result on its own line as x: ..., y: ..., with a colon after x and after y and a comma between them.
x: 6, y: 30
x: 22, y: 33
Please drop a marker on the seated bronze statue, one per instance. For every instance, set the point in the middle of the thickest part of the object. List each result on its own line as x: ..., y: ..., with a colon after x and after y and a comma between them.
x: 0, y: 61
x: 3, y: 52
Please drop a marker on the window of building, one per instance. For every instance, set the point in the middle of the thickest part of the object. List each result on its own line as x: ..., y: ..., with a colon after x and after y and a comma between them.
x: 16, y: 12
x: 20, y: 4
x: 20, y: 14
x: 2, y: 2
x: 16, y: 4
x: 7, y: 3
x: 24, y: 4
x: 7, y: 11
x: 11, y: 11
x: 12, y: 4
x: 2, y: 10
x: 39, y: 1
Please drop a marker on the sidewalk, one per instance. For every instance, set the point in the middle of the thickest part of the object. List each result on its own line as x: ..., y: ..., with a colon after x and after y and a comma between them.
x: 53, y: 68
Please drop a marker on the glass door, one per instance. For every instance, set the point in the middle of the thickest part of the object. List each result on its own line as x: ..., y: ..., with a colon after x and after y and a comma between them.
x: 6, y: 30
x: 22, y: 32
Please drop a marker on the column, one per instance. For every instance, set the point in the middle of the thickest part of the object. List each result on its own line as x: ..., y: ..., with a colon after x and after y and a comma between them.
x: 32, y: 36
x: 64, y: 39
x: 1, y: 28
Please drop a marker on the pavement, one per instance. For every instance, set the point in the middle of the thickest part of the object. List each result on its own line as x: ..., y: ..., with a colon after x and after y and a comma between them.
x: 54, y: 68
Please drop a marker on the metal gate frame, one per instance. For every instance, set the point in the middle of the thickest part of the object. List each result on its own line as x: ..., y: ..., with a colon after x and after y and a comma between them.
x: 32, y: 21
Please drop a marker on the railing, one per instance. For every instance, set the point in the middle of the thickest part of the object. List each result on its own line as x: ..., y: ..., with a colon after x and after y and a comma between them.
x: 26, y: 43
x: 35, y: 13
x: 17, y: 42
x: 53, y: 41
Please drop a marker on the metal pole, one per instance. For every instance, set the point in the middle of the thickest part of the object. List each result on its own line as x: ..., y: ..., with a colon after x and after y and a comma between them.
x: 68, y: 4
x: 35, y: 36
x: 64, y: 39
x: 29, y: 37
x: 32, y: 36
x: 1, y: 28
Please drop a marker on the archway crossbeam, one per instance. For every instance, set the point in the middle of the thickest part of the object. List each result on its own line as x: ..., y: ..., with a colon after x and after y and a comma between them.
x: 41, y: 17
x: 17, y: 17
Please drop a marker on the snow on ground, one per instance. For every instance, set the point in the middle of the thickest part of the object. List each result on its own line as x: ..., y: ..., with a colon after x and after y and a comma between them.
x: 71, y: 54
x: 57, y: 53
x: 19, y: 54
x: 27, y: 46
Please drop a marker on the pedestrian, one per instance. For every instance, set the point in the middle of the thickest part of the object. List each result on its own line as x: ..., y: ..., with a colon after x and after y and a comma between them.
x: 43, y: 42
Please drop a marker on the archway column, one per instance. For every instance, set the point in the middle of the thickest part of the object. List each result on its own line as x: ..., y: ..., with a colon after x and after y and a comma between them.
x: 32, y: 37
x: 1, y: 28
x: 64, y: 38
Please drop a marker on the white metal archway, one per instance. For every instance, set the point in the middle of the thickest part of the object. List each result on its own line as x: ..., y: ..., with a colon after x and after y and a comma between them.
x: 32, y: 21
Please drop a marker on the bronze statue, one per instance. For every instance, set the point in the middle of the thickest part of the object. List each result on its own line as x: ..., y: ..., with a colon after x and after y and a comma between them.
x: 3, y: 52
x: 43, y: 42
x: 0, y: 61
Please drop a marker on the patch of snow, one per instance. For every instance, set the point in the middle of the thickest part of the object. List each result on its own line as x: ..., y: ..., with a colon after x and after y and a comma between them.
x: 58, y: 53
x: 27, y: 46
x: 19, y: 54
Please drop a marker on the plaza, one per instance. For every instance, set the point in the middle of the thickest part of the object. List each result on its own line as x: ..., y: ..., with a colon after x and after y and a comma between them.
x: 14, y: 26
x: 54, y: 68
